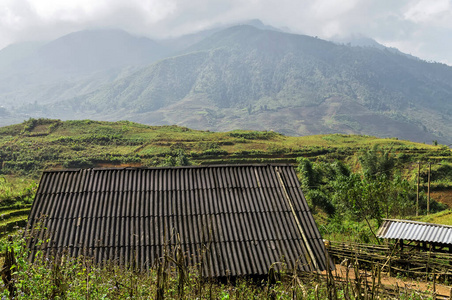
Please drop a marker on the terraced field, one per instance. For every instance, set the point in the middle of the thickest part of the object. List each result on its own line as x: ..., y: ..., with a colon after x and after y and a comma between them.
x: 16, y: 196
x: 35, y: 145
x: 11, y: 220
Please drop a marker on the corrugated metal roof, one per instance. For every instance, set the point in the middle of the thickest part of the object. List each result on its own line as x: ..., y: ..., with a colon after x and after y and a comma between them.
x: 415, y: 231
x: 243, y: 218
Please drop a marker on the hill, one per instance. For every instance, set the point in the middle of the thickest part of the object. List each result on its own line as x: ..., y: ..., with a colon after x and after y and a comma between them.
x: 39, y: 144
x: 243, y: 77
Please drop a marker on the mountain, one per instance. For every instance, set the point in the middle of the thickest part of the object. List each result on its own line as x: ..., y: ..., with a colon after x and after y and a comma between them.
x: 259, y: 78
x: 96, y: 50
x: 181, y: 43
x: 16, y: 52
x: 363, y: 41
x: 77, y: 63
x: 87, y: 51
x: 244, y: 77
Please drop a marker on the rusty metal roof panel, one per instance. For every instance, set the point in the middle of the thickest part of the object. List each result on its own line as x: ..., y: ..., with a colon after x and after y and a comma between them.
x: 415, y: 231
x: 239, y: 218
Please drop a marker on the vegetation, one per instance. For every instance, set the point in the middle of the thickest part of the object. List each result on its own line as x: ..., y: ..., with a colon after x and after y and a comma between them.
x: 16, y: 196
x: 78, y: 278
x: 39, y: 144
x: 330, y: 165
x: 358, y: 177
x: 351, y: 183
x: 375, y: 191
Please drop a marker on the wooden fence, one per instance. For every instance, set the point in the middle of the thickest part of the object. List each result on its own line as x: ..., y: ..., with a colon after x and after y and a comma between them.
x: 429, y: 265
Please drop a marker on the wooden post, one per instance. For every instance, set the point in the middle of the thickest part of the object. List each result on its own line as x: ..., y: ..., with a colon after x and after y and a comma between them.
x: 389, y: 267
x: 427, y: 265
x: 450, y: 252
x: 428, y: 189
x: 434, y: 286
x: 379, y: 275
x: 417, y: 192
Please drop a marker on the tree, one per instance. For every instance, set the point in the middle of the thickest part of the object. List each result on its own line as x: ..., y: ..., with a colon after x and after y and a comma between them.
x: 311, y: 184
x: 375, y: 162
x: 310, y: 178
x: 177, y: 158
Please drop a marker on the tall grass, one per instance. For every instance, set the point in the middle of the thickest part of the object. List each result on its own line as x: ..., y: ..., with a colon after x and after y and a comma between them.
x: 64, y: 277
x: 16, y: 192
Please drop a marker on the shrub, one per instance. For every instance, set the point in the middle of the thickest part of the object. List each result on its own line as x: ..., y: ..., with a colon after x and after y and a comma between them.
x: 22, y: 165
x: 78, y: 163
x: 216, y: 152
x: 254, y: 135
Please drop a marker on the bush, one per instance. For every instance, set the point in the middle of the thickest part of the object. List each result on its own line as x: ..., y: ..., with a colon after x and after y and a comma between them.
x: 78, y: 163
x: 275, y: 149
x: 254, y: 135
x: 23, y: 165
x: 31, y: 123
x: 216, y: 152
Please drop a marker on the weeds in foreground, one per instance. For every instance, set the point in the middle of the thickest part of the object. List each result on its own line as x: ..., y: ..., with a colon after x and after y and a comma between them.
x: 79, y: 278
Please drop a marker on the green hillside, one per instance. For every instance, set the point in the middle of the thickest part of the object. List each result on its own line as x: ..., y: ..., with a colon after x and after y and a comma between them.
x: 40, y: 144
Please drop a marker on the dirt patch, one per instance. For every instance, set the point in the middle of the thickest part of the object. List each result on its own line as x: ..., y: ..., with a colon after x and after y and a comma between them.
x: 444, y: 197
x: 104, y: 165
x: 393, y: 283
x: 41, y: 128
x: 125, y: 165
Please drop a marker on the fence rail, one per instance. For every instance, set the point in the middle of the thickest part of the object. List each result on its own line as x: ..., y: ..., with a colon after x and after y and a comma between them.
x: 393, y: 260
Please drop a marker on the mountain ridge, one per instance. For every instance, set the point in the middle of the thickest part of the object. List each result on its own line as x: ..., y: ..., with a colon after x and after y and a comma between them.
x: 251, y: 78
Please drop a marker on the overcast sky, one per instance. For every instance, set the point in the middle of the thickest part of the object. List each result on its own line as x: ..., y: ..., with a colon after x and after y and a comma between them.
x: 420, y: 27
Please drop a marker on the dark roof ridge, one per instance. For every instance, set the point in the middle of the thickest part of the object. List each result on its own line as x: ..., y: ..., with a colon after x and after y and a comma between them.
x: 170, y: 167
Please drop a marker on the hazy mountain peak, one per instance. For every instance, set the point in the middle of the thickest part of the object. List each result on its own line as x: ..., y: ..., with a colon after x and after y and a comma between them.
x: 260, y: 25
x: 357, y: 40
x: 99, y: 49
x: 16, y: 52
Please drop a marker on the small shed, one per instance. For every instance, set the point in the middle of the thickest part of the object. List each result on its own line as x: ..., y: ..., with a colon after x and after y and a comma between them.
x: 234, y: 219
x: 417, y: 235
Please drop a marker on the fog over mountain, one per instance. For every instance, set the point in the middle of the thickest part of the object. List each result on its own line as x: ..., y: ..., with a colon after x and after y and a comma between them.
x: 249, y: 76
x: 418, y: 27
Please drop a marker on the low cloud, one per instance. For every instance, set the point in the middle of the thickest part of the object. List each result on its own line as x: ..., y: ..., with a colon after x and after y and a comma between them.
x: 419, y: 27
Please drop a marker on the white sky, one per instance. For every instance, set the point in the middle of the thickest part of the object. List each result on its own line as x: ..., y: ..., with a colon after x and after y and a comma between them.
x: 419, y: 27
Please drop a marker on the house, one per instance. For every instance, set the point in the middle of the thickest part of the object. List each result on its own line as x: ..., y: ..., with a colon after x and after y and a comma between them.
x: 233, y: 219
